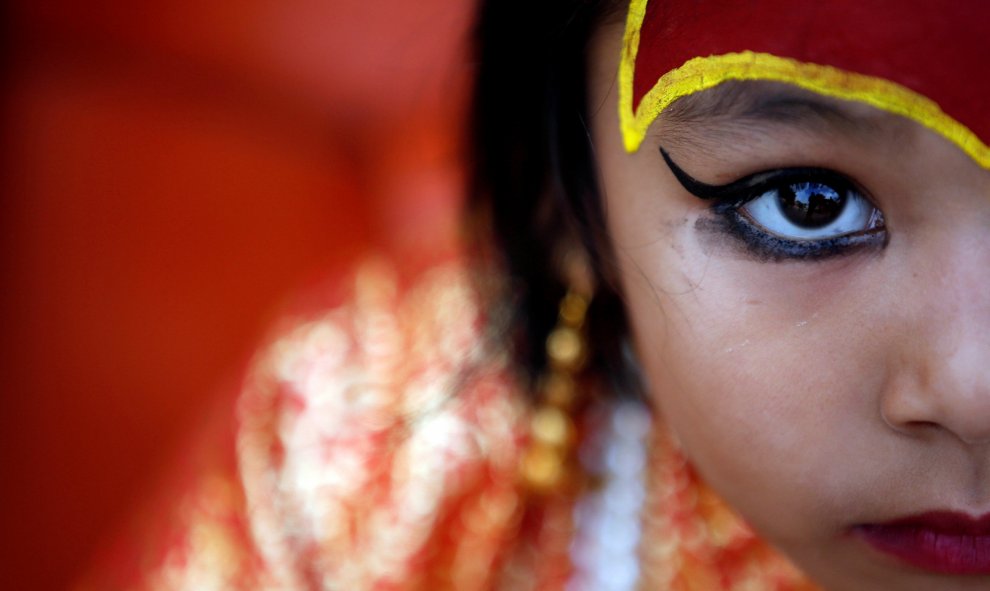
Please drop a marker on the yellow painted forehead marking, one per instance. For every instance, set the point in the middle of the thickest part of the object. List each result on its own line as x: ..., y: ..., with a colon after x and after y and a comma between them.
x: 702, y: 73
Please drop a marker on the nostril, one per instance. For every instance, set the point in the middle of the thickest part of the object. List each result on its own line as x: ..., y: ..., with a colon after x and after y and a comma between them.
x: 916, y: 429
x: 909, y: 414
x: 922, y: 425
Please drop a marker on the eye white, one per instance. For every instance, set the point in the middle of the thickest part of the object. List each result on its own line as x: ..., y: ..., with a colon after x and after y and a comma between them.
x: 857, y: 214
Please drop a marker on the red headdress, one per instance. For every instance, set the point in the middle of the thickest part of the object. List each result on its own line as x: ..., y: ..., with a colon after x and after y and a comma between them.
x: 916, y: 58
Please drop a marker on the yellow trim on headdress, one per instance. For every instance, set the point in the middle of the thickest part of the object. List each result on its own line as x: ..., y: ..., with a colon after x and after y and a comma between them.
x: 702, y: 73
x: 627, y: 69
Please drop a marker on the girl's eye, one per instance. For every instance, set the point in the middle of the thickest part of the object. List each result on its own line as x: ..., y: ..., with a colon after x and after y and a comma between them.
x: 812, y: 210
x: 791, y: 213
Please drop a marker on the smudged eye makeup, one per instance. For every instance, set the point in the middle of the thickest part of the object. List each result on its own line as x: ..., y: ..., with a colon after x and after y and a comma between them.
x: 791, y: 213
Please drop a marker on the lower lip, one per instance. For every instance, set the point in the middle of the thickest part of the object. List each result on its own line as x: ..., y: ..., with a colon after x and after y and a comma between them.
x: 961, y: 550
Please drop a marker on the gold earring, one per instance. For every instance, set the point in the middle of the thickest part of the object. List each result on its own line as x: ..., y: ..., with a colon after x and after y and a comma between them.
x: 548, y: 461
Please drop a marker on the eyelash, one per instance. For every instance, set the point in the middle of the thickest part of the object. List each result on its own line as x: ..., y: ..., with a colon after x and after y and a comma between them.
x: 730, y: 200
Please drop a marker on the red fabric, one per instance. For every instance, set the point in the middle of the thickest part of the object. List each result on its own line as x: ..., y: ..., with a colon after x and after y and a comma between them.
x: 936, y: 49
x: 172, y: 173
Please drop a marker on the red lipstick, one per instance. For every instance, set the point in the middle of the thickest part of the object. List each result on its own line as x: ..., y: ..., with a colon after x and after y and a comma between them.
x: 940, y: 541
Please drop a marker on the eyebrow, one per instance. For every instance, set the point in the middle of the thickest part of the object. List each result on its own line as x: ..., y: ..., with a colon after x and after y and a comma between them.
x: 754, y: 104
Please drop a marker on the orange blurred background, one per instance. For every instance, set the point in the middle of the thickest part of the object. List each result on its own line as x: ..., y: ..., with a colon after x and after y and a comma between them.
x: 174, y: 170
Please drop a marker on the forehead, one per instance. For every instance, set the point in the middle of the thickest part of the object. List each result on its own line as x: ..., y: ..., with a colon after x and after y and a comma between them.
x: 910, y: 58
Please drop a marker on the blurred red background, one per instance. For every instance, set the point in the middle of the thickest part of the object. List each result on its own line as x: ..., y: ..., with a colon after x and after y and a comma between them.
x: 173, y: 171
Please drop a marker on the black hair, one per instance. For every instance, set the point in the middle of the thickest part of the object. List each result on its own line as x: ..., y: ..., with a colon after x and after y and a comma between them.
x: 535, y: 189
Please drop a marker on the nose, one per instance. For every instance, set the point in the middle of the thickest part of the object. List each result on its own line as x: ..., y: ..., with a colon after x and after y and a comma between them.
x: 951, y: 393
x: 942, y: 376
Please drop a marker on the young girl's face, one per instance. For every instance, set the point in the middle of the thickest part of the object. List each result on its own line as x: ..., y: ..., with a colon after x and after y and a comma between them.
x: 826, y: 371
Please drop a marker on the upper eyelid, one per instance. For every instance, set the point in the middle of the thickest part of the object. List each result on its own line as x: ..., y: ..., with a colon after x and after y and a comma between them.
x: 754, y: 184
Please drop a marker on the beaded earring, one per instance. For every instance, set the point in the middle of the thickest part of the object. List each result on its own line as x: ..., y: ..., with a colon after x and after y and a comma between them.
x: 549, y: 461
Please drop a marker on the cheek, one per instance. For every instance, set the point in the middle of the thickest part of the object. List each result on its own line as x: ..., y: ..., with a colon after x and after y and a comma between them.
x: 763, y: 375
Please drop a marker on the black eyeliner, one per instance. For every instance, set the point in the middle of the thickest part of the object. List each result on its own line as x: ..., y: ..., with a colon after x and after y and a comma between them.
x: 765, y: 247
x: 750, y: 186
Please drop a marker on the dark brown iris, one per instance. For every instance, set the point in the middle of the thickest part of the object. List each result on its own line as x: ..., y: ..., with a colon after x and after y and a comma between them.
x: 811, y: 205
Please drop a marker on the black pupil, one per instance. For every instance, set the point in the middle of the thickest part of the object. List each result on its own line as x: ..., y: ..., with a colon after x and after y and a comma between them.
x: 811, y: 205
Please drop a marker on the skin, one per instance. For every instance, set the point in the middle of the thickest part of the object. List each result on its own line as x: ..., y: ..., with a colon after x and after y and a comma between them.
x: 811, y: 395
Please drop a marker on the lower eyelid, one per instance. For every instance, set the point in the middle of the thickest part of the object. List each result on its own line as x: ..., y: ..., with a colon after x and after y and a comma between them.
x: 756, y: 244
